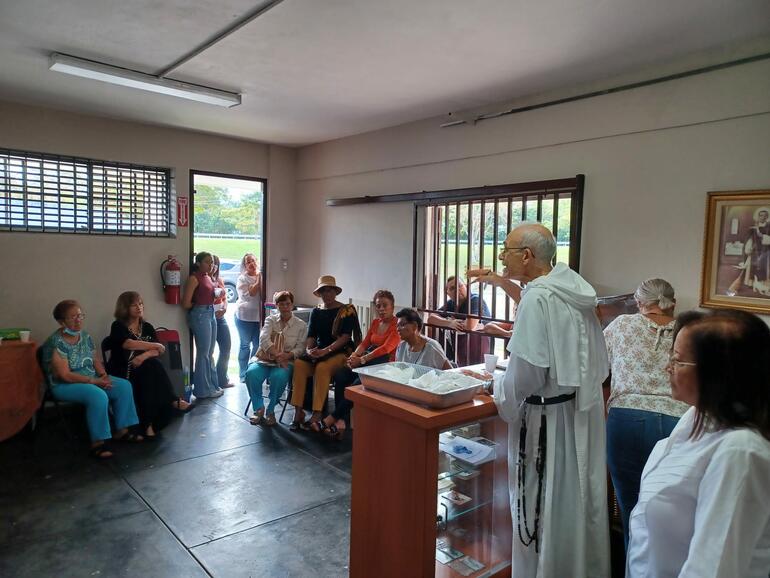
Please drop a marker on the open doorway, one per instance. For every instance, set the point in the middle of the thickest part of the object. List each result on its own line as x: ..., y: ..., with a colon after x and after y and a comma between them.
x: 228, y: 220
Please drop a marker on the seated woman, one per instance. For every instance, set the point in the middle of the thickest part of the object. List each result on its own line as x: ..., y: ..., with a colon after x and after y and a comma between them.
x: 641, y: 410
x: 379, y: 346
x: 333, y: 333
x: 76, y: 374
x: 704, y: 500
x: 281, y: 341
x: 415, y: 347
x: 134, y: 350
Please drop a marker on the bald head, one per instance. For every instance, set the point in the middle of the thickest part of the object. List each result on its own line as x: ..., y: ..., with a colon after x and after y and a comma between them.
x: 537, y: 238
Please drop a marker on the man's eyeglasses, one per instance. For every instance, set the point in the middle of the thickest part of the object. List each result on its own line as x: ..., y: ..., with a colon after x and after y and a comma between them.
x: 506, y: 249
x: 674, y: 362
x: 79, y: 317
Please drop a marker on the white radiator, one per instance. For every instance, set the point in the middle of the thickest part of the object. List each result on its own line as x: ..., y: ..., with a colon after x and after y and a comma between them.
x: 366, y: 312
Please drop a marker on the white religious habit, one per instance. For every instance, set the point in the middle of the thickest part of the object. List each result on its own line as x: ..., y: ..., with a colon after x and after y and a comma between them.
x: 560, y: 525
x: 704, y: 506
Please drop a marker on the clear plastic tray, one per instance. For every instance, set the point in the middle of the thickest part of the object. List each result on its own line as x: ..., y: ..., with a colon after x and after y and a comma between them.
x: 415, y: 394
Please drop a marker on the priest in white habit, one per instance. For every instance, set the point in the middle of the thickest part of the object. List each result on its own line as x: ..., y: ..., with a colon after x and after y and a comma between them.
x: 551, y: 397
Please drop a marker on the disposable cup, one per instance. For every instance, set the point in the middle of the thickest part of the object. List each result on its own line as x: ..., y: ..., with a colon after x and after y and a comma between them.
x: 24, y: 335
x: 490, y: 362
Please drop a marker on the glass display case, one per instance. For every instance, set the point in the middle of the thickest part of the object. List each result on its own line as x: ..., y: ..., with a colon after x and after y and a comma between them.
x: 430, y: 489
x: 473, y: 522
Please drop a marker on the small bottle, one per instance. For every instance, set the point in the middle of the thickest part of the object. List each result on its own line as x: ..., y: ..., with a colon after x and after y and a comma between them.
x: 186, y: 382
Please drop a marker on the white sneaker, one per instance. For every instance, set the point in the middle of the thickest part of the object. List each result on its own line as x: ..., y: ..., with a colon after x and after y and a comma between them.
x: 217, y: 393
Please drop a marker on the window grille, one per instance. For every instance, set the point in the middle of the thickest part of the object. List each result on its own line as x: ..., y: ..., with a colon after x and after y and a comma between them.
x: 467, y: 231
x: 57, y: 194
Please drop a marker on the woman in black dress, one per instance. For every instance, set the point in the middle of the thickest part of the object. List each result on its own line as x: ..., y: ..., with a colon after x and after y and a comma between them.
x: 134, y: 350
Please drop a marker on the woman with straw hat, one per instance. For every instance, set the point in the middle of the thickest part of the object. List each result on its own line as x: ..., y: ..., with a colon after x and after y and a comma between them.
x: 333, y: 333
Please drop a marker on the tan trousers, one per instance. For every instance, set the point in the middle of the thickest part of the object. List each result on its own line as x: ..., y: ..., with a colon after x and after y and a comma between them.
x: 322, y: 373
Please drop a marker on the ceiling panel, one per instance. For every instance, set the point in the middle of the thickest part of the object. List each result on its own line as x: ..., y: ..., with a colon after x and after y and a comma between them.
x: 315, y: 70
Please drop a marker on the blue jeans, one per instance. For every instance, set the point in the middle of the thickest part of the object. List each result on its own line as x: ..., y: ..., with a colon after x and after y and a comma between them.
x: 248, y: 331
x: 98, y: 401
x: 631, y: 435
x: 279, y: 377
x: 204, y: 329
x: 223, y: 341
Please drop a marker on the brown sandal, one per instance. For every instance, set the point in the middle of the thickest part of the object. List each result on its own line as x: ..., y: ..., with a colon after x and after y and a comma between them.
x: 256, y: 419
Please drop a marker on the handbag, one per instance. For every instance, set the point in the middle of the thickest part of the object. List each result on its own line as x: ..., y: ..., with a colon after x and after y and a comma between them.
x: 277, y: 341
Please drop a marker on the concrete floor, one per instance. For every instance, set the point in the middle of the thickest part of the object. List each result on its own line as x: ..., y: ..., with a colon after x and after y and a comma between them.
x: 215, y: 496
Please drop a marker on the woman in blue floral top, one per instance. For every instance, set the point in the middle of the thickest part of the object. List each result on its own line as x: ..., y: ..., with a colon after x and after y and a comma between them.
x: 76, y: 373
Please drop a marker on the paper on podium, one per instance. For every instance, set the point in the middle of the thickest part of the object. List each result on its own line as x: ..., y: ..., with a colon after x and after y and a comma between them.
x: 467, y: 450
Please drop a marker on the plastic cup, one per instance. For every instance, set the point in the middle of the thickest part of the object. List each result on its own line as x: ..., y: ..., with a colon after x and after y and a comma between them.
x: 490, y: 362
x: 24, y: 335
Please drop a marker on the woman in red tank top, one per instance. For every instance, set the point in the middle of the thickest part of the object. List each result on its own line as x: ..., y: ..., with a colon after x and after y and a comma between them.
x: 199, y: 294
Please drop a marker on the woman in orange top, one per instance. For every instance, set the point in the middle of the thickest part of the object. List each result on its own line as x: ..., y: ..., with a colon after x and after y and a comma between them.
x: 379, y: 346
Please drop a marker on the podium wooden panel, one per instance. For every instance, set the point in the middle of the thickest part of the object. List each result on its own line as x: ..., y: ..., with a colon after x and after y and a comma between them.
x: 395, y: 468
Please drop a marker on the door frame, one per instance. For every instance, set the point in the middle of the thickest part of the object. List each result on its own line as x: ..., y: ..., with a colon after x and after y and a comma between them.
x: 263, y: 249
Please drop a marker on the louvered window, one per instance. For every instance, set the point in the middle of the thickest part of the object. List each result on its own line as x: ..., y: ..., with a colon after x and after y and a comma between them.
x: 56, y: 194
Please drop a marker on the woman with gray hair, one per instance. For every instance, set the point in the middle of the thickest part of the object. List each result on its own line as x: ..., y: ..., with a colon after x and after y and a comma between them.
x: 641, y: 409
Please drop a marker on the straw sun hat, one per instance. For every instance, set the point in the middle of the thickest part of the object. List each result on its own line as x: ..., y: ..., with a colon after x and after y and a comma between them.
x: 327, y: 281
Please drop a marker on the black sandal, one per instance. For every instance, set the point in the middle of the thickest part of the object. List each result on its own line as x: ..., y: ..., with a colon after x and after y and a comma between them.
x: 178, y: 410
x: 129, y: 438
x: 335, y: 433
x: 318, y: 426
x: 98, y: 452
x: 295, y: 426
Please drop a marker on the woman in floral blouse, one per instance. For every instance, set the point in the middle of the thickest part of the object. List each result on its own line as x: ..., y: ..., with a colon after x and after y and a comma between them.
x: 641, y: 409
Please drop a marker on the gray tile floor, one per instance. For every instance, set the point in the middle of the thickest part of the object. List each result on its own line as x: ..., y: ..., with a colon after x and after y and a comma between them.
x: 215, y: 496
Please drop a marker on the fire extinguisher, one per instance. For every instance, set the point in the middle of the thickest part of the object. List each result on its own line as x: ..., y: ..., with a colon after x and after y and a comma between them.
x: 171, y: 278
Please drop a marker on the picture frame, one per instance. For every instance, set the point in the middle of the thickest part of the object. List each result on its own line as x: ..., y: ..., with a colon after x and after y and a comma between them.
x: 736, y: 251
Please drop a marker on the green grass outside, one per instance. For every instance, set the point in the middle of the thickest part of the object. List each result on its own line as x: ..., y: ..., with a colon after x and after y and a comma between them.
x: 230, y: 248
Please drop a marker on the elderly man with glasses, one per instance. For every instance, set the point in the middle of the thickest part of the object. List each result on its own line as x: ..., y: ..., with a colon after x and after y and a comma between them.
x: 551, y: 397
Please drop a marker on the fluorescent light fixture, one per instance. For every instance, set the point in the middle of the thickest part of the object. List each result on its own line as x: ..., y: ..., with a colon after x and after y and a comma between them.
x: 133, y: 79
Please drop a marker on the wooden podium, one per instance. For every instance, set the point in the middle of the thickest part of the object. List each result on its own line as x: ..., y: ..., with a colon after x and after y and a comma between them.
x: 395, y: 501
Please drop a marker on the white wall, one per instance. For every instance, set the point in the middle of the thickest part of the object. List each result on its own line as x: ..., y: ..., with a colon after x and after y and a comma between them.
x: 42, y: 269
x: 650, y: 155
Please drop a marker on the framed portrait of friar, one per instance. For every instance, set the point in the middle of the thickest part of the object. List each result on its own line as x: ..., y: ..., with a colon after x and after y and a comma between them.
x: 736, y: 253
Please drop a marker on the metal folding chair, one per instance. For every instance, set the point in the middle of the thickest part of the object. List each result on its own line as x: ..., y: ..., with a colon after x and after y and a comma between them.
x: 48, y: 397
x: 284, y: 401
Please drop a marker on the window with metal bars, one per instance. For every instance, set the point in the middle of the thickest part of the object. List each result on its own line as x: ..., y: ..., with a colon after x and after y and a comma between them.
x: 466, y: 230
x: 56, y: 194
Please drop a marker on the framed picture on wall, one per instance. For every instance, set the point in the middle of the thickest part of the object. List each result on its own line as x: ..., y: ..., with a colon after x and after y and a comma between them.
x: 736, y: 253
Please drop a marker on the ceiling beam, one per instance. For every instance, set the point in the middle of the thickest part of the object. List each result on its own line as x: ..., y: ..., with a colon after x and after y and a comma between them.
x: 237, y: 25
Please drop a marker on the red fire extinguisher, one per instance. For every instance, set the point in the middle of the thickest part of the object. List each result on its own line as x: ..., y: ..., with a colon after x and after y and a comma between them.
x: 171, y: 277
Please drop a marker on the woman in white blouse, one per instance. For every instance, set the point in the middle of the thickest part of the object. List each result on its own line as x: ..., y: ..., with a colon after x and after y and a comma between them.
x: 282, y: 339
x: 248, y: 310
x: 704, y: 500
x: 641, y: 410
